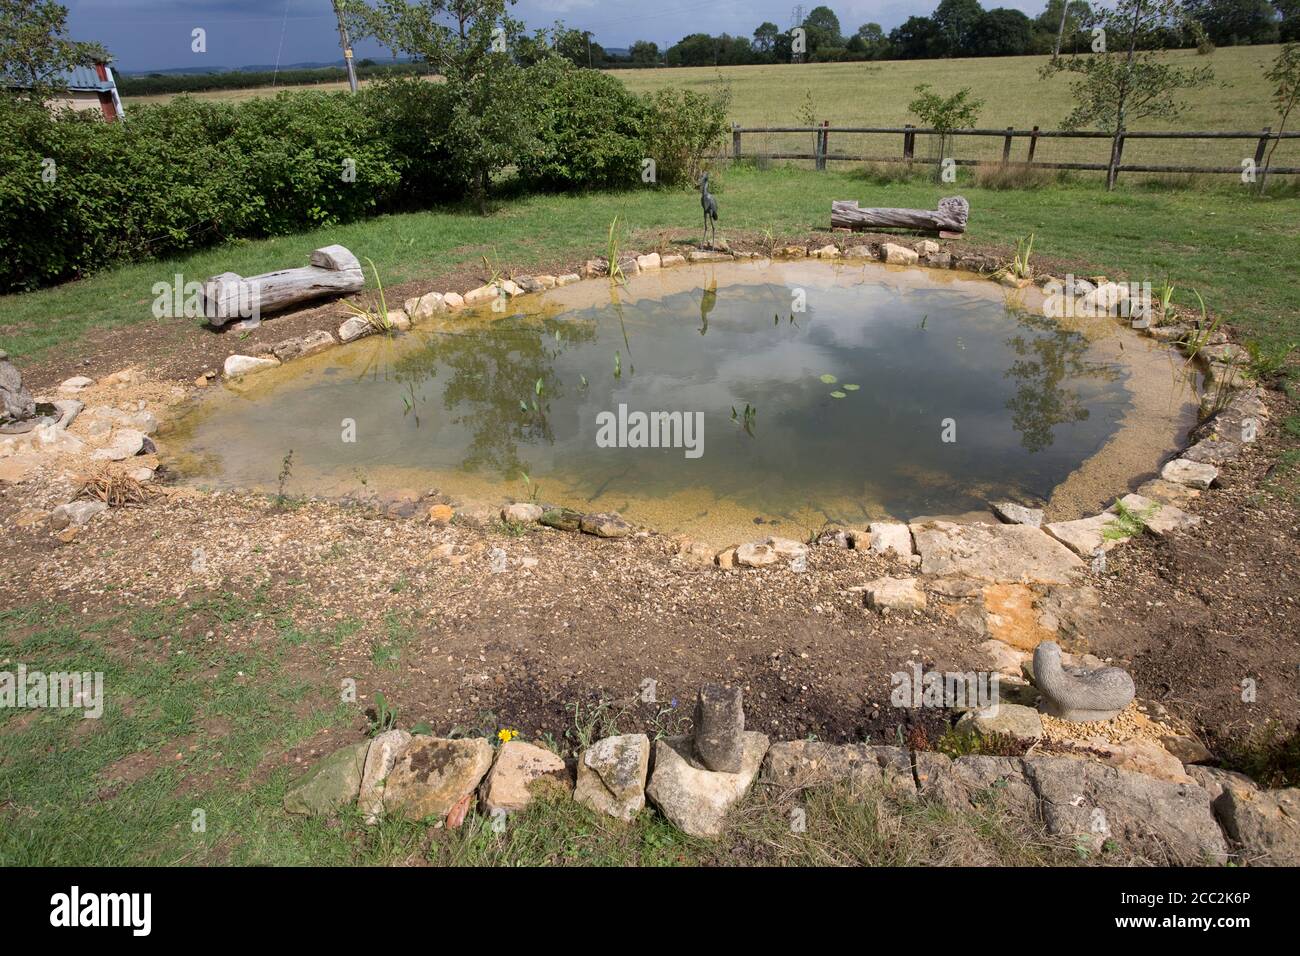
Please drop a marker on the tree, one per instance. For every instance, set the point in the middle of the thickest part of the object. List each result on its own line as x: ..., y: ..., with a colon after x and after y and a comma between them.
x: 468, y: 43
x: 870, y: 41
x: 945, y: 114
x: 644, y: 53
x: 1284, y: 75
x: 1063, y: 18
x: 35, y: 50
x: 823, y: 29
x: 1001, y: 32
x: 1233, y: 22
x: 765, y: 37
x: 955, y: 20
x: 1127, y: 78
x: 916, y: 39
x: 1289, y: 11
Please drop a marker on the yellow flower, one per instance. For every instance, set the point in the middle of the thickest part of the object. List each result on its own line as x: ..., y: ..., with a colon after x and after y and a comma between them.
x: 505, y: 735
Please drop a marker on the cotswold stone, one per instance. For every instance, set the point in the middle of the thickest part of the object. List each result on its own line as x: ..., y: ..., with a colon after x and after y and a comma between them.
x: 898, y: 255
x: 1266, y: 824
x: 1012, y: 720
x: 1159, y: 519
x: 895, y: 594
x: 975, y: 780
x: 126, y: 443
x: 331, y: 784
x: 891, y: 536
x: 1191, y: 473
x: 694, y: 798
x: 754, y: 554
x: 434, y: 774
x: 1012, y: 513
x: 76, y: 383
x: 384, y: 750
x: 354, y: 328
x: 1079, y: 694
x: 425, y: 306
x: 236, y: 365
x: 562, y: 519
x: 612, y: 775
x: 998, y: 553
x: 708, y: 255
x: 1092, y: 803
x: 76, y: 514
x: 788, y: 548
x: 649, y: 262
x: 519, y: 768
x: 812, y: 763
x: 453, y: 300
x: 719, y: 728
x: 826, y: 252
x: 1168, y: 492
x: 569, y: 278
x: 521, y: 513
x: 1085, y: 536
x: 605, y: 525
x: 1010, y: 616
x: 303, y: 345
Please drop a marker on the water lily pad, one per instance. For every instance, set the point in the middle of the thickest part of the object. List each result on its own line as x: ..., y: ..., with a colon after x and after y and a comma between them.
x: 838, y: 394
x: 829, y: 379
x: 850, y: 388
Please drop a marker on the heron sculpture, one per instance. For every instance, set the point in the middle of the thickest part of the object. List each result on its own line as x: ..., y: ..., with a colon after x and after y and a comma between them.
x: 710, y: 206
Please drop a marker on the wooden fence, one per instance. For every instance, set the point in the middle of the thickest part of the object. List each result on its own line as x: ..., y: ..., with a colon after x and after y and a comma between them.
x: 1113, y: 168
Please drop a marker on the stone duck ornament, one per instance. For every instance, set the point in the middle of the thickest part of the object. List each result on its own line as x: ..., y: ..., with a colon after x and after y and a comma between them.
x: 1079, y: 694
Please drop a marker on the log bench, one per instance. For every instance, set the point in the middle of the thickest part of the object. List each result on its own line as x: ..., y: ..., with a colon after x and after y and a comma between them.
x: 949, y: 220
x: 229, y: 296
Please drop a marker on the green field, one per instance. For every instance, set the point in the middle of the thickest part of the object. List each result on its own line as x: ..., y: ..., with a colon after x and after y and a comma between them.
x: 877, y: 94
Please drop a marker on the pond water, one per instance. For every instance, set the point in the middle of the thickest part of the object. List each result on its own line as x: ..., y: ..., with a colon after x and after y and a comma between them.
x: 807, y: 393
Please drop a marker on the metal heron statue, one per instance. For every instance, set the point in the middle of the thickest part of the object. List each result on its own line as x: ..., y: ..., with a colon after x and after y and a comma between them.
x: 710, y: 206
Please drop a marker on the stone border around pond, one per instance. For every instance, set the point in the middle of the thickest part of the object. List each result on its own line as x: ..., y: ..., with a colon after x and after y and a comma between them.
x: 1203, y: 816
x: 1014, y: 581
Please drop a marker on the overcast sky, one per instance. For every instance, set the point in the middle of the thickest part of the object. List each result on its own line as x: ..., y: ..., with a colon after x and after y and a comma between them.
x: 155, y: 34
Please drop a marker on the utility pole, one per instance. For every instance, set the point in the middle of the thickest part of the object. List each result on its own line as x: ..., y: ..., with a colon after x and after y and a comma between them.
x: 346, y: 44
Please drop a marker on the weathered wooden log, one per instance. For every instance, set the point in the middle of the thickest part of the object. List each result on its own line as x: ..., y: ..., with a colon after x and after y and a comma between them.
x: 950, y: 217
x: 229, y: 296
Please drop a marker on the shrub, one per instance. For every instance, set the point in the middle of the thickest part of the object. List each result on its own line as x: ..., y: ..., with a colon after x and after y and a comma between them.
x: 589, y: 130
x: 415, y: 115
x: 682, y: 128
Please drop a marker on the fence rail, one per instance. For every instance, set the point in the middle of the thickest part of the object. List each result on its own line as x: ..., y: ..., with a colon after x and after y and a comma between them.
x: 821, y: 153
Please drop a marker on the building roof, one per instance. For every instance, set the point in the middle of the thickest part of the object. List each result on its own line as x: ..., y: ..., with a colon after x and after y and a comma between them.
x: 80, y: 79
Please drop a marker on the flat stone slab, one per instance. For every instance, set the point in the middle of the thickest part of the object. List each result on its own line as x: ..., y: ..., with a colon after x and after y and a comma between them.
x: 1012, y: 513
x: 519, y: 768
x: 890, y: 536
x: 331, y: 784
x: 1168, y: 492
x: 895, y: 594
x: 1266, y: 823
x: 1194, y: 474
x: 1160, y: 519
x: 434, y: 774
x: 1003, y: 553
x: 812, y: 763
x: 1011, y: 720
x: 1086, y: 536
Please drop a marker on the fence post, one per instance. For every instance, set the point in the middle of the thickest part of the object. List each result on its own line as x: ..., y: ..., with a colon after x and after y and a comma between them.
x: 826, y: 144
x: 1033, y: 144
x: 1116, y: 154
x: 1006, y: 147
x: 909, y: 143
x: 1263, y: 145
x: 735, y: 141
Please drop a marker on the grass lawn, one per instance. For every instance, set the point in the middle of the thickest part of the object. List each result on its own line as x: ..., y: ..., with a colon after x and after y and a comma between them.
x: 1238, y: 251
x: 176, y: 771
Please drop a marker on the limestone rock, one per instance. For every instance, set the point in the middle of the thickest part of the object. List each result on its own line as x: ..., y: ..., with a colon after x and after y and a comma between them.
x: 898, y: 255
x: 303, y: 345
x: 1141, y: 756
x: 975, y: 780
x: 1093, y: 803
x: 895, y: 594
x: 75, y: 384
x: 1077, y: 694
x: 825, y: 252
x: 236, y: 365
x: 1002, y: 657
x: 331, y: 784
x: 836, y: 538
x: 433, y: 774
x: 612, y: 775
x: 693, y: 798
x: 1168, y: 492
x: 568, y: 278
x: 76, y: 514
x: 521, y: 512
x: 425, y: 306
x: 358, y: 326
x: 1215, y: 780
x: 384, y: 750
x: 562, y: 519
x: 754, y: 554
x: 453, y: 300
x: 1160, y: 519
x: 1266, y: 824
x: 1087, y: 536
x: 605, y: 525
x: 890, y: 536
x: 926, y: 247
x: 1012, y: 720
x: 1010, y: 616
x: 708, y: 255
x: 518, y: 768
x: 1009, y: 553
x: 812, y: 763
x: 649, y: 263
x: 1012, y: 513
x: 788, y: 548
x: 126, y: 443
x: 720, y: 728
x: 1194, y: 474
